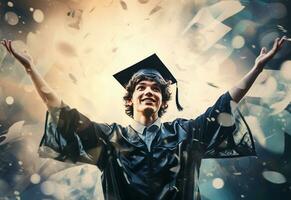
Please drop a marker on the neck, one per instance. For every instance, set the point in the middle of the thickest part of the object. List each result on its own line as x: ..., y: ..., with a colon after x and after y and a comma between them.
x: 145, y: 120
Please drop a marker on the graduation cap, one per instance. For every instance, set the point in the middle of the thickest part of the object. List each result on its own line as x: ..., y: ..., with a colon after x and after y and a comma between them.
x: 151, y: 66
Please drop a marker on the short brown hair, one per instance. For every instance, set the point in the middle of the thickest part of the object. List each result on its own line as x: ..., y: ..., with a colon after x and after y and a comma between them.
x: 130, y: 87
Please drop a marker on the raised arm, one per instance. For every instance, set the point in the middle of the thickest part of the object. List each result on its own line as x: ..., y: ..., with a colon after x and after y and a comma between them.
x: 243, y: 86
x: 48, y: 96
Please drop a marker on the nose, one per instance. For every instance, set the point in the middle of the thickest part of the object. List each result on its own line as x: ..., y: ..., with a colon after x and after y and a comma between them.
x: 148, y: 91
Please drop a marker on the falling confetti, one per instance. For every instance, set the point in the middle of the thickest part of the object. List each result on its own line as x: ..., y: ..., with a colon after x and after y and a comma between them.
x: 123, y: 5
x: 143, y: 1
x: 155, y: 9
x: 219, y: 46
x: 92, y: 9
x: 71, y: 13
x: 212, y: 85
x: 73, y: 78
x: 86, y: 35
x: 281, y: 28
x: 66, y: 49
x: 78, y: 13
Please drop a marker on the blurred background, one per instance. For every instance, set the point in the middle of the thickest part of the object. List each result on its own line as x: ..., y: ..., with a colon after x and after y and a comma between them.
x: 208, y: 44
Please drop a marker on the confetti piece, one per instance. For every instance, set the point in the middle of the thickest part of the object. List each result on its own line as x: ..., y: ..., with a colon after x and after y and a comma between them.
x: 66, y: 49
x: 281, y: 28
x: 73, y: 78
x: 87, y: 34
x: 143, y: 1
x: 92, y: 9
x: 155, y: 9
x: 123, y: 5
x: 212, y: 85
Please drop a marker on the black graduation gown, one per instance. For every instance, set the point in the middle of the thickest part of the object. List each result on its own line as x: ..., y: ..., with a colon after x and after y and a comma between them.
x: 170, y: 170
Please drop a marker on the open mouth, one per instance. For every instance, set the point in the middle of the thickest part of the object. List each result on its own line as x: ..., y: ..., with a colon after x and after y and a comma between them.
x: 148, y: 100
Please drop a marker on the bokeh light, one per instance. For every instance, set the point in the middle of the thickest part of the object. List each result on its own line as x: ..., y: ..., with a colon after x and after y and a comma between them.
x: 277, y: 10
x: 38, y: 15
x: 274, y: 177
x: 9, y: 100
x: 10, y: 4
x: 286, y: 70
x: 238, y: 42
x: 48, y: 187
x: 35, y: 178
x: 11, y: 18
x: 217, y: 183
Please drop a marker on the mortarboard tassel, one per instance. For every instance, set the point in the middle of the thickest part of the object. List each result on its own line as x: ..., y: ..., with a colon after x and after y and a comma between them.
x: 179, y: 107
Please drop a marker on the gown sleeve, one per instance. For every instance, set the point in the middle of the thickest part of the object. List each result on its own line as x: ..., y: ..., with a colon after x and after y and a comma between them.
x: 222, y: 131
x: 69, y: 136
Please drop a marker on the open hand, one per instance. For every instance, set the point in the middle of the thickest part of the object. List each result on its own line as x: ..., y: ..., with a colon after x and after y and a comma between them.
x: 266, y: 56
x: 25, y: 60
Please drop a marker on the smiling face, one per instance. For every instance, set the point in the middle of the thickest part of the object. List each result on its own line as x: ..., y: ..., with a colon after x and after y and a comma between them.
x: 146, y: 98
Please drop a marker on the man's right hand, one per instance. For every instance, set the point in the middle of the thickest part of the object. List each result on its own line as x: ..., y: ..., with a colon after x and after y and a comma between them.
x: 24, y: 59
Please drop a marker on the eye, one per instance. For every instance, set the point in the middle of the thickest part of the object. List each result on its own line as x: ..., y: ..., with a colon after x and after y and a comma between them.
x: 156, y: 89
x: 140, y: 87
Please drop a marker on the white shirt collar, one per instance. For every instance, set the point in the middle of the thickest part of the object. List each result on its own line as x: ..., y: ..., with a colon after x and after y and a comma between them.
x: 140, y: 128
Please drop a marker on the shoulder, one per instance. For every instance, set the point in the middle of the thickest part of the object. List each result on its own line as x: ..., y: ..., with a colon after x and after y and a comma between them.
x: 178, y: 123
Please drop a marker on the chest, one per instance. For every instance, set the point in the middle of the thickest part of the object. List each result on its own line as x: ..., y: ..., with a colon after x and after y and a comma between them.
x: 167, y: 153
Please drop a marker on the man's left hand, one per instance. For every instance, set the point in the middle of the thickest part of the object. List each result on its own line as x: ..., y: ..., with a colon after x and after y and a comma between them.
x: 265, y: 55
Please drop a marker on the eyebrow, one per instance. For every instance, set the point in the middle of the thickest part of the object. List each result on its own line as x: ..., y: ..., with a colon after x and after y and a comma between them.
x: 154, y: 84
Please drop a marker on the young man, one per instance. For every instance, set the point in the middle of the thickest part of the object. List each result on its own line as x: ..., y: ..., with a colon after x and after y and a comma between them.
x: 147, y: 159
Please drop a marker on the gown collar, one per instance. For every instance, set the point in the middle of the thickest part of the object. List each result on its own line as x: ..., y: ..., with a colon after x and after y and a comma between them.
x: 138, y: 127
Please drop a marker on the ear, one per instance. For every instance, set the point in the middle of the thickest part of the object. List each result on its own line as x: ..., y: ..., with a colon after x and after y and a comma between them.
x: 128, y: 102
x: 164, y: 105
